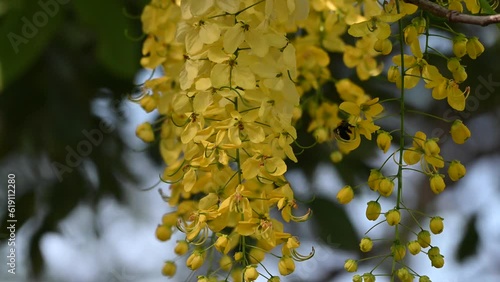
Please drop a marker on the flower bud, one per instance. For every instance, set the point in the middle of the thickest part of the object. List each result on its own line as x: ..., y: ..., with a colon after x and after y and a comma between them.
x: 373, y: 210
x: 286, y: 265
x: 436, y: 225
x: 195, y: 260
x: 374, y: 179
x: 398, y: 251
x: 169, y: 219
x: 431, y: 147
x: 420, y: 24
x: 256, y: 255
x: 459, y: 45
x: 437, y: 183
x: 238, y: 256
x: 384, y: 141
x: 368, y: 277
x: 456, y: 170
x: 345, y: 195
x: 411, y: 156
x: 459, y: 132
x: 410, y: 34
x: 145, y: 132
x: 460, y: 75
x: 181, y: 248
x: 336, y: 156
x: 453, y: 64
x: 148, y: 103
x: 251, y: 273
x: 404, y: 275
x: 274, y: 279
x: 393, y: 217
x: 169, y: 269
x: 321, y: 135
x: 163, y: 233
x: 393, y: 74
x: 424, y: 238
x: 437, y: 261
x: 434, y: 251
x: 386, y: 187
x: 366, y: 244
x: 357, y: 278
x: 226, y: 263
x: 414, y: 247
x: 221, y: 243
x: 351, y: 265
x: 474, y: 47
x: 384, y: 46
x: 424, y: 278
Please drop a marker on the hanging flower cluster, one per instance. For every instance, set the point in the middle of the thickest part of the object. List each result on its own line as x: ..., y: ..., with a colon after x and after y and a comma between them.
x: 236, y: 77
x: 227, y: 101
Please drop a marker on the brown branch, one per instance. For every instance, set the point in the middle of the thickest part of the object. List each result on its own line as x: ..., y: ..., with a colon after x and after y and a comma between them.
x: 454, y: 16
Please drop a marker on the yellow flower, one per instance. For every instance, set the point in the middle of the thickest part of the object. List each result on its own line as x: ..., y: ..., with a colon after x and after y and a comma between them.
x: 181, y: 248
x: 393, y: 217
x: 385, y: 187
x: 145, y: 132
x: 286, y: 265
x: 384, y: 141
x: 374, y: 179
x: 195, y: 260
x: 424, y: 238
x: 437, y: 183
x: 368, y: 277
x: 398, y: 251
x: 456, y: 170
x: 250, y: 273
x: 474, y: 47
x: 384, y: 46
x: 410, y: 33
x: 414, y: 247
x: 460, y: 45
x: 366, y: 244
x: 351, y: 265
x: 148, y: 103
x: 345, y: 195
x: 459, y: 132
x: 169, y: 269
x: 373, y: 210
x: 436, y: 225
x: 163, y: 233
x: 226, y: 263
x: 424, y: 278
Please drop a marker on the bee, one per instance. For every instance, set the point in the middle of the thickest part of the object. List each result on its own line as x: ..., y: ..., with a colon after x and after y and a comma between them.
x: 344, y: 131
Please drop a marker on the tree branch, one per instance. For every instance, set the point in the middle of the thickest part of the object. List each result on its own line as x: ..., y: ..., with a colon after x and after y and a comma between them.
x: 454, y: 16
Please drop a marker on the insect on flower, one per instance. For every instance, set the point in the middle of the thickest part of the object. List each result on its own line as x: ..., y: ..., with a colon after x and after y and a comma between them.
x: 344, y: 131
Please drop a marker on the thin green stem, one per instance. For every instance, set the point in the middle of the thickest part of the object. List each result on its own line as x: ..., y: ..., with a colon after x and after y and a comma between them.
x: 402, y: 129
x: 429, y: 115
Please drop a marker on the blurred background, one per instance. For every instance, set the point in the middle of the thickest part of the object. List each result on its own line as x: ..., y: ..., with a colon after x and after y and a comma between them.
x: 83, y: 210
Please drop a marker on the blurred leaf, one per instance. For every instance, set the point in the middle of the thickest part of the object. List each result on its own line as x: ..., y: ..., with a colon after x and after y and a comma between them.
x: 469, y: 243
x: 23, y: 40
x: 115, y: 51
x: 333, y: 225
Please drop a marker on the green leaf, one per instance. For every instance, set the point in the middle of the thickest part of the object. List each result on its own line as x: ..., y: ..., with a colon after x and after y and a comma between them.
x: 333, y: 224
x: 106, y: 19
x: 26, y: 30
x: 469, y: 243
